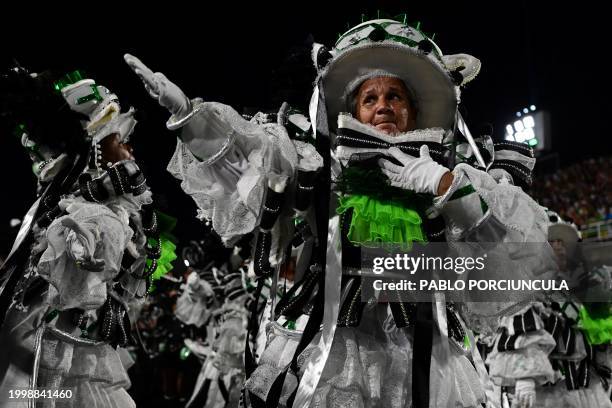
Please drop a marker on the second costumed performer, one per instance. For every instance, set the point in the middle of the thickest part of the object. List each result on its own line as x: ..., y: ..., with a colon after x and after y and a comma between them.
x: 88, y: 250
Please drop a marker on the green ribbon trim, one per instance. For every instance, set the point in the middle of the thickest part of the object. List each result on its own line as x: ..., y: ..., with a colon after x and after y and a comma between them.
x: 289, y: 324
x: 483, y: 206
x: 51, y: 315
x: 381, y: 224
x: 465, y: 191
x: 462, y: 192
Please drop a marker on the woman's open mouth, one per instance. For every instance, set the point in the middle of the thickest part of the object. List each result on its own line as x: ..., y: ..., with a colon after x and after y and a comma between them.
x: 386, y: 126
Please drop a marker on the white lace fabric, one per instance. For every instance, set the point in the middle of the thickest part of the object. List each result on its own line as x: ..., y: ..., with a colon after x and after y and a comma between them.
x: 64, y: 365
x: 513, y: 230
x: 230, y: 189
x: 371, y: 366
x: 90, y: 235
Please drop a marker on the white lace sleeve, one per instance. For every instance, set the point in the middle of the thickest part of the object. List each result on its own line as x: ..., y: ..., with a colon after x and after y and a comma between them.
x: 475, y: 196
x: 225, y: 163
x: 84, y: 252
x: 501, y: 220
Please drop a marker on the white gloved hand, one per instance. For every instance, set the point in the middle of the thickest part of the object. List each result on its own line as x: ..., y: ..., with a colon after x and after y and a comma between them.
x: 421, y: 175
x: 524, y: 393
x: 161, y: 88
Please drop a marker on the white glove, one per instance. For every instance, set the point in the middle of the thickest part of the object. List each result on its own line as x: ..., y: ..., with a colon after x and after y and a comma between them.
x: 524, y: 393
x: 421, y: 175
x: 159, y: 87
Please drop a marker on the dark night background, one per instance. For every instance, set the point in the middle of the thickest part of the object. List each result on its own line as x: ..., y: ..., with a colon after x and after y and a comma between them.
x: 252, y: 56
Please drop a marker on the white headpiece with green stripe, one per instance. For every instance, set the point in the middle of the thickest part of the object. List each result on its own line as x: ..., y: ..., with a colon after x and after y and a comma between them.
x: 396, y: 49
x: 102, y: 108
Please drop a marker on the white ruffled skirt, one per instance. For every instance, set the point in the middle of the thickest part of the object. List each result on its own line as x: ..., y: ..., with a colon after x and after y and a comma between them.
x: 95, y: 374
x: 371, y: 366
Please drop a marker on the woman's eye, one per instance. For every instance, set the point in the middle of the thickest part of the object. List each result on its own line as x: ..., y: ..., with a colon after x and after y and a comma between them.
x: 368, y: 100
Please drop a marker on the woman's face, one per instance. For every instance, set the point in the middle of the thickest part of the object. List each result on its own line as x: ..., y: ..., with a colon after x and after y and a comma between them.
x: 384, y: 103
x: 114, y: 151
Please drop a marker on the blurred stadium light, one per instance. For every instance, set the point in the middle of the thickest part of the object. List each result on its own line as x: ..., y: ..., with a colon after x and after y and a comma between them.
x: 532, y: 128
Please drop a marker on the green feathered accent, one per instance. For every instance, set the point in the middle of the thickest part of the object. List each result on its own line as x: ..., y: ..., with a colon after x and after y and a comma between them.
x: 385, y: 224
x: 168, y: 254
x: 383, y: 215
x: 597, y: 330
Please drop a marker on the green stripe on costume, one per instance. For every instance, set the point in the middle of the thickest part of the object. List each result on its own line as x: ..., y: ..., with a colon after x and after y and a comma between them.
x: 462, y: 192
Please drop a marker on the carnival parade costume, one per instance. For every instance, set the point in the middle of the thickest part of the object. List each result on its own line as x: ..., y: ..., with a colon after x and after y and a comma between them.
x: 89, y: 247
x: 304, y: 187
x: 556, y: 353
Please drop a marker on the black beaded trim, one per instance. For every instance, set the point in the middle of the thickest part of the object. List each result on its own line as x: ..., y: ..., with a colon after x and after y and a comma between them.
x: 262, y: 254
x: 518, y: 147
x: 138, y: 183
x: 271, y: 209
x: 291, y: 305
x: 154, y: 252
x: 48, y: 217
x: 115, y: 328
x: 305, y: 187
x: 455, y: 328
x: 352, y: 308
x: 516, y: 170
x: 352, y: 138
x: 435, y: 229
x: 92, y: 190
x: 149, y: 219
x: 403, y: 312
x: 150, y: 269
x: 108, y: 320
x: 119, y: 179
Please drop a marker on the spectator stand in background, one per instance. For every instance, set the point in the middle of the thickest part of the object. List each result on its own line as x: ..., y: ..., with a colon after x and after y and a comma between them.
x: 582, y: 193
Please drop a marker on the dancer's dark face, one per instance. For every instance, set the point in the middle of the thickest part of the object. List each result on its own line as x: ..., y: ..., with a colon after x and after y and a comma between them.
x: 113, y: 150
x: 560, y: 253
x: 384, y: 103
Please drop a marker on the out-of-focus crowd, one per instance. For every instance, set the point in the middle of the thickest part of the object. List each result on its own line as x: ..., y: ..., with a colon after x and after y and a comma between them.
x: 581, y: 192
